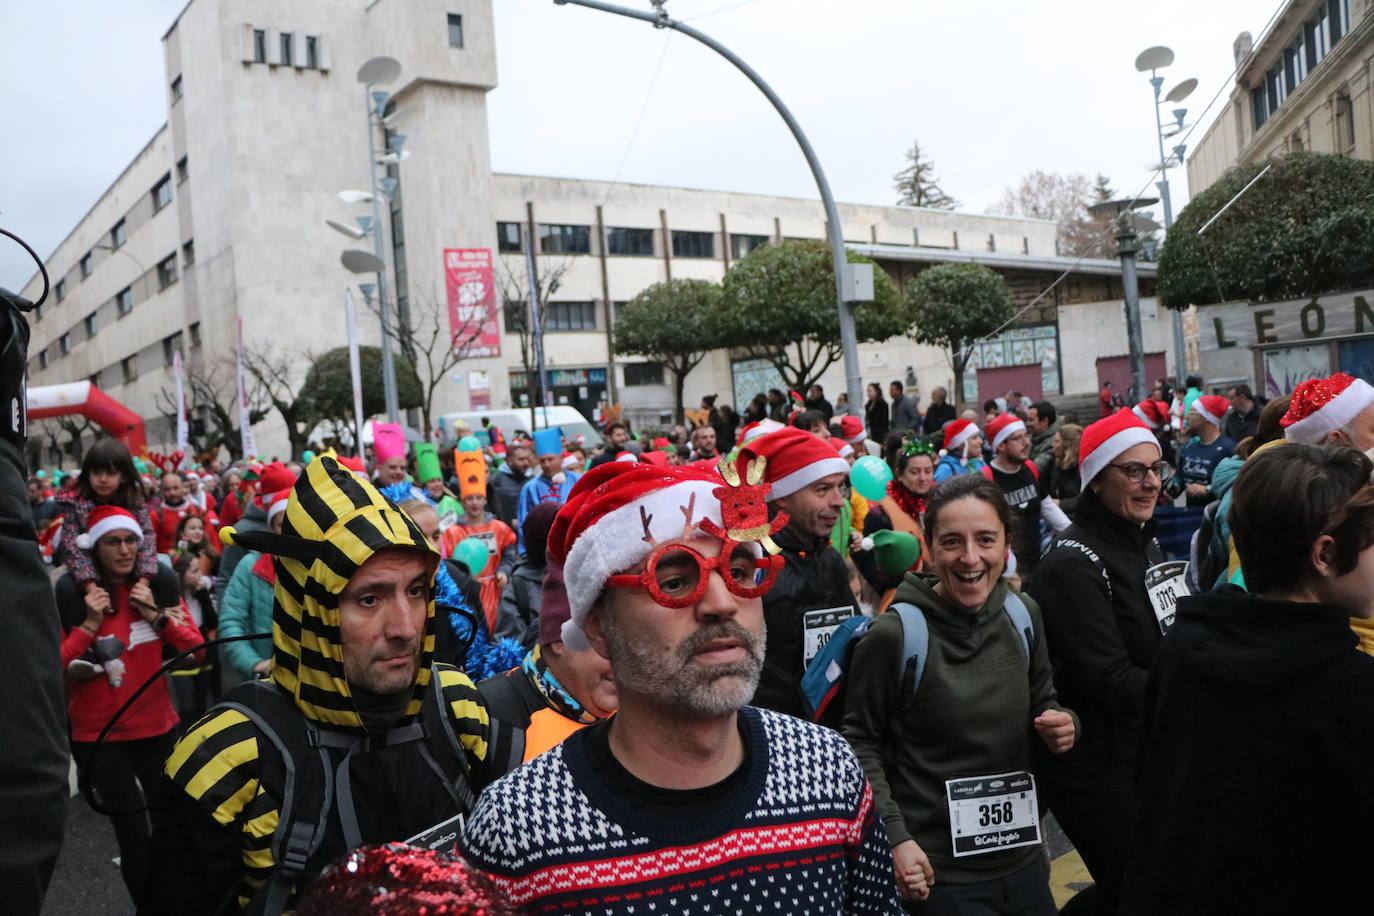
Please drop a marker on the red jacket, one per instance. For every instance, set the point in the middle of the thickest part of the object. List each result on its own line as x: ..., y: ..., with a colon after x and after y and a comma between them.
x: 165, y: 521
x: 90, y: 704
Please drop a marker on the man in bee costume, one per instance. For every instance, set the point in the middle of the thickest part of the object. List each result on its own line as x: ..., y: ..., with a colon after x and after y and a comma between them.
x: 356, y: 738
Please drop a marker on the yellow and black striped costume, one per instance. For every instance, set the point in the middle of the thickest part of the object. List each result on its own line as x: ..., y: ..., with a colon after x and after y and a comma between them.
x: 334, y: 522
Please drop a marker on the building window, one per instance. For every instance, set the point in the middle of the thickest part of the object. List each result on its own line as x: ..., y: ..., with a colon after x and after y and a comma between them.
x: 43, y: 358
x: 618, y: 307
x: 89, y: 324
x: 570, y: 316
x: 61, y: 290
x: 1295, y: 143
x: 455, y: 30
x: 128, y: 367
x: 510, y: 238
x: 516, y: 313
x: 195, y: 334
x: 630, y: 241
x: 64, y: 344
x: 312, y: 52
x: 693, y: 244
x: 176, y: 90
x: 119, y: 234
x: 558, y: 239
x: 86, y: 265
x: 171, y: 346
x: 741, y: 245
x: 182, y: 172
x: 162, y: 193
x: 643, y: 374
x: 285, y: 49
x: 167, y: 271
x: 1345, y: 124
x: 188, y: 253
x: 124, y: 301
x: 259, y: 46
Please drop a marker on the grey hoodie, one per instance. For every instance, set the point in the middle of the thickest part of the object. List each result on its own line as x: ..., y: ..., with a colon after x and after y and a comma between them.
x: 971, y: 717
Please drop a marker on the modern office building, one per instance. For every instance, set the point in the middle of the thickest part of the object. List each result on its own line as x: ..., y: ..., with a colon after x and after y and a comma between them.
x: 220, y: 223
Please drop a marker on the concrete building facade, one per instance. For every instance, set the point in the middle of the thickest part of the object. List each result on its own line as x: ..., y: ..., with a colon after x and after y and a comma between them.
x: 1305, y: 86
x: 219, y: 222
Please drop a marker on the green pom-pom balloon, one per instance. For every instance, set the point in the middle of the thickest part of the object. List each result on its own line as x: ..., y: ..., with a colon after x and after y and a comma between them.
x: 870, y: 476
x: 472, y: 552
x: 469, y: 444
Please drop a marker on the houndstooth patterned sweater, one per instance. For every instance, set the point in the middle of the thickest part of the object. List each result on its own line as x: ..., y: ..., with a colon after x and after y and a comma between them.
x: 798, y: 836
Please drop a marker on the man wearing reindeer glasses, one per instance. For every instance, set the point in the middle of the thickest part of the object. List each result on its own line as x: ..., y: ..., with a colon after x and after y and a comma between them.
x: 687, y: 798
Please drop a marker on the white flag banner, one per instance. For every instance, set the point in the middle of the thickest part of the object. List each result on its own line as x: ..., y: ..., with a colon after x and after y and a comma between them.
x: 355, y: 368
x: 250, y: 448
x: 183, y: 426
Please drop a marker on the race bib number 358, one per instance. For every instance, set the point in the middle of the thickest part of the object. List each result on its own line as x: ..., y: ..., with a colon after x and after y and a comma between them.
x: 988, y: 813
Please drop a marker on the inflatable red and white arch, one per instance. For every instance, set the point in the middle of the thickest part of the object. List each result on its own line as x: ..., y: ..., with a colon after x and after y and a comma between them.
x: 89, y: 401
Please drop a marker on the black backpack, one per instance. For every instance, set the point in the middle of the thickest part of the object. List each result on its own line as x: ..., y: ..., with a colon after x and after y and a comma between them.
x: 307, y: 772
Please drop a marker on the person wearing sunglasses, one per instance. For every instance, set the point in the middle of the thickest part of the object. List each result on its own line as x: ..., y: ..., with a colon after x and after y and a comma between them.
x: 1107, y: 596
x: 687, y: 800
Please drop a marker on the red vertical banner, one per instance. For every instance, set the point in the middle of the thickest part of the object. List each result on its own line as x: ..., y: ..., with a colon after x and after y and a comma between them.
x: 470, y: 279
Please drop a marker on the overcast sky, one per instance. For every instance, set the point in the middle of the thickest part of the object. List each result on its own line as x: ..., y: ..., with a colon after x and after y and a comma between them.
x: 992, y: 90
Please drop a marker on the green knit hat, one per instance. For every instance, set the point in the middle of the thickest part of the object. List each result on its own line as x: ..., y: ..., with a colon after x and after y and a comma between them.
x: 895, y: 552
x: 427, y: 463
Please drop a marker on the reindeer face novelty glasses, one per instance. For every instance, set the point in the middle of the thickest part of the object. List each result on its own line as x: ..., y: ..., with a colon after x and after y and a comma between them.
x: 676, y: 575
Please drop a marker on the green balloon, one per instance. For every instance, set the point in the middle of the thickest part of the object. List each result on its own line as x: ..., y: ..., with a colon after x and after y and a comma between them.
x: 469, y: 444
x: 870, y: 476
x: 472, y: 552
x: 307, y: 456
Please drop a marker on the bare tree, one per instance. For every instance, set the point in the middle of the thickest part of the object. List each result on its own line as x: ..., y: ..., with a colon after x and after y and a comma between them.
x: 917, y: 185
x: 1064, y: 199
x: 272, y: 371
x: 515, y: 302
x: 436, y: 338
x: 212, y: 391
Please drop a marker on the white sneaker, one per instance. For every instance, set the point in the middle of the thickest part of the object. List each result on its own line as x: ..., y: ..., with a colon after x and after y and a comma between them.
x: 80, y: 669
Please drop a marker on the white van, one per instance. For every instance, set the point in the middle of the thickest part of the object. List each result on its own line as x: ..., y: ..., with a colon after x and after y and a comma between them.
x: 518, y: 418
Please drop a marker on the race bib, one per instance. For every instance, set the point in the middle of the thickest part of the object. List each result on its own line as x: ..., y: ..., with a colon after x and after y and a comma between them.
x: 441, y: 837
x: 447, y: 520
x: 988, y: 813
x: 1165, y: 584
x: 817, y: 628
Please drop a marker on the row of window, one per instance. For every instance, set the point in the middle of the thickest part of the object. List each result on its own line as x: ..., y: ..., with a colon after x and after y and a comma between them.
x: 1314, y: 41
x: 558, y: 316
x: 128, y: 366
x: 562, y: 238
x: 161, y: 196
x: 291, y: 50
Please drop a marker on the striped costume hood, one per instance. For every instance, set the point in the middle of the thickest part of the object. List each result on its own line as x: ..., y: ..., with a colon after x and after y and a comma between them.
x: 335, y: 521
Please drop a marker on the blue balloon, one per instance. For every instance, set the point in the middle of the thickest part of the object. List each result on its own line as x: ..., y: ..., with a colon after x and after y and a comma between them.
x: 469, y: 444
x: 869, y: 477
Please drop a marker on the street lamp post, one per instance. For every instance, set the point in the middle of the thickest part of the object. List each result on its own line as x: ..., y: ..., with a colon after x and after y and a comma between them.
x: 1126, y: 223
x: 849, y: 340
x: 1155, y: 59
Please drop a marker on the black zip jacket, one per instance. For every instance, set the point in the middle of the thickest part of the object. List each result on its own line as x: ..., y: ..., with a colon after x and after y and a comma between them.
x: 814, y: 577
x: 1254, y: 763
x: 1103, y: 636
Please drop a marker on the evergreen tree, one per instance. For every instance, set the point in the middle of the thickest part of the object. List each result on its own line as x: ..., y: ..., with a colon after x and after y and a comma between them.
x: 917, y: 185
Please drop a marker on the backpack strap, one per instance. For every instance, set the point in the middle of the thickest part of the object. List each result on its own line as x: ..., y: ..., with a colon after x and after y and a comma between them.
x: 509, y: 720
x: 1021, y: 622
x: 299, y: 834
x: 1035, y: 471
x: 986, y: 471
x: 434, y: 713
x: 915, y: 647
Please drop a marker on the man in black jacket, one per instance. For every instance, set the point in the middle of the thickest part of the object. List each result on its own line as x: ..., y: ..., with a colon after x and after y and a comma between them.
x: 33, y: 769
x: 811, y: 597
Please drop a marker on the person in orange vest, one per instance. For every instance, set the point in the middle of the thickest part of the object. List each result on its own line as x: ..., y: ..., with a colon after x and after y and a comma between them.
x: 555, y: 692
x: 477, y: 522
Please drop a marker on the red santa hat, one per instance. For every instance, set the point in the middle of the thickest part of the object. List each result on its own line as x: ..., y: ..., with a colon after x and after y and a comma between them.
x: 275, y: 478
x: 1004, y: 427
x: 1211, y: 407
x: 1154, y: 414
x: 594, y: 535
x: 761, y: 428
x: 276, y: 504
x: 796, y: 460
x: 1106, y: 439
x: 957, y: 432
x: 1321, y: 406
x: 842, y: 447
x: 102, y: 521
x: 852, y: 430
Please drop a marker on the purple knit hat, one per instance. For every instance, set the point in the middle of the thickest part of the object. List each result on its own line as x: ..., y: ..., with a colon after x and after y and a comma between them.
x: 554, y: 610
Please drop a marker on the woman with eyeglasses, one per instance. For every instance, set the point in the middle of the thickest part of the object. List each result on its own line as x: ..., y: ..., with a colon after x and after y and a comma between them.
x: 1107, y: 597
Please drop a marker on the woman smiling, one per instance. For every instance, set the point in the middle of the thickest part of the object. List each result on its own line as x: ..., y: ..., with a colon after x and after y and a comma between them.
x: 947, y: 750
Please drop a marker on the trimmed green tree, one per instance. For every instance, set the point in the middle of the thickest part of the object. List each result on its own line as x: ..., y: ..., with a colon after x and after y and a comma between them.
x: 779, y: 305
x: 327, y: 392
x: 1307, y: 227
x: 675, y: 323
x: 955, y: 305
